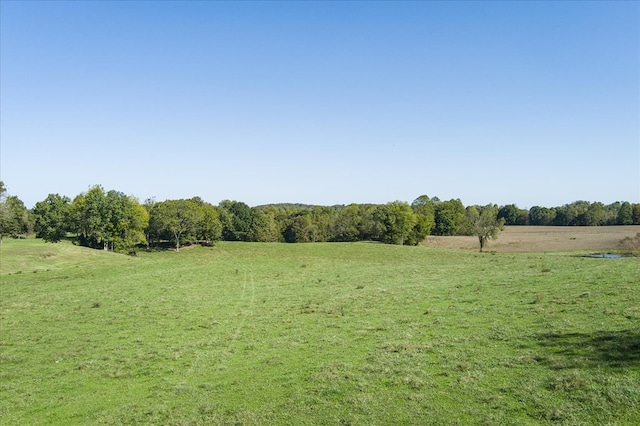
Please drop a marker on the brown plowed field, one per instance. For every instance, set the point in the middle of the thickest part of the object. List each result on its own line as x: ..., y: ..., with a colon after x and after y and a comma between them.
x: 543, y: 238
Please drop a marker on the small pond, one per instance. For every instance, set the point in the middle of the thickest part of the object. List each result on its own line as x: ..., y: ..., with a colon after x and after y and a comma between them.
x: 606, y: 256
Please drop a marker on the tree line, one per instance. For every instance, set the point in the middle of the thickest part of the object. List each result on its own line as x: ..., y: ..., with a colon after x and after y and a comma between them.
x: 112, y: 220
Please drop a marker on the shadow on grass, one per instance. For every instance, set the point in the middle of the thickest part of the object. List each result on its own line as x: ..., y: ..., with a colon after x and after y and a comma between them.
x: 616, y: 349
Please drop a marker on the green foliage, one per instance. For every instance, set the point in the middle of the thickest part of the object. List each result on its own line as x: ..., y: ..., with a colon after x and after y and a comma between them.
x: 449, y: 217
x: 581, y: 213
x: 301, y: 229
x: 264, y: 227
x: 340, y: 333
x: 484, y: 223
x: 112, y: 220
x: 542, y: 216
x: 183, y: 221
x: 109, y: 220
x: 636, y: 214
x: 346, y: 226
x: 512, y: 215
x: 52, y: 218
x: 625, y: 214
x: 397, y: 222
x: 178, y: 220
x: 424, y: 209
x: 238, y: 221
x: 210, y: 229
x: 15, y: 220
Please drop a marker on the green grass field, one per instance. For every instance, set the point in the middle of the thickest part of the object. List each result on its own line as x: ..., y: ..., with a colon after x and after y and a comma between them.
x: 362, y: 334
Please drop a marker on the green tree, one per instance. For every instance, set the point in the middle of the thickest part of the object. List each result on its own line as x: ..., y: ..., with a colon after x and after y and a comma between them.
x: 397, y: 221
x: 574, y: 214
x: 513, y: 215
x: 486, y: 224
x: 424, y: 209
x: 126, y: 221
x: 625, y: 214
x: 178, y: 219
x: 323, y: 219
x: 301, y: 228
x: 108, y: 220
x: 611, y: 213
x: 449, y: 217
x: 6, y: 221
x: 264, y: 227
x: 370, y: 229
x: 88, y: 217
x: 237, y: 221
x: 468, y: 224
x: 52, y: 218
x: 346, y: 226
x: 137, y: 221
x: 636, y: 214
x: 541, y: 216
x: 15, y: 219
x: 595, y: 215
x: 209, y: 229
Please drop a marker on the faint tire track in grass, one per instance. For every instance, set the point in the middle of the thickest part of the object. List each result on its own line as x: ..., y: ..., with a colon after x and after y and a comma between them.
x: 249, y: 310
x: 246, y: 309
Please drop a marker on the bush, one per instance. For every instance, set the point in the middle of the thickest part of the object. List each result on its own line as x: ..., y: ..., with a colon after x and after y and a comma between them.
x: 631, y: 244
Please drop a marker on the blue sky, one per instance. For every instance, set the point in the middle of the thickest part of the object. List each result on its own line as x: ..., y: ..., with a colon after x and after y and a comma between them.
x: 533, y: 103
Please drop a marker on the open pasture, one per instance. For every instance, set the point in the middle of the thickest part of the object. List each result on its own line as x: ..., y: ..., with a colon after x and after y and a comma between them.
x: 331, y: 333
x: 543, y: 239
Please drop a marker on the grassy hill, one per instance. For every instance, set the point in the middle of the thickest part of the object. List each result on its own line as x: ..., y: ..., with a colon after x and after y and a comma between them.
x: 329, y: 333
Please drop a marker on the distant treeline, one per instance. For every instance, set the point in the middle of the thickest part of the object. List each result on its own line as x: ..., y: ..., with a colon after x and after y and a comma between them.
x: 115, y: 221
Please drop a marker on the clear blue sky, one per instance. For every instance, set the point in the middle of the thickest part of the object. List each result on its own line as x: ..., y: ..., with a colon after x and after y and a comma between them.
x: 533, y: 103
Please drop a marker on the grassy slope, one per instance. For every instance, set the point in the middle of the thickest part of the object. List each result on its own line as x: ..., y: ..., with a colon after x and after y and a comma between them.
x: 316, y: 334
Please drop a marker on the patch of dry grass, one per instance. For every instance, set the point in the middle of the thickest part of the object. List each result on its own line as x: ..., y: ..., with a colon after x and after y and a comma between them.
x: 543, y: 239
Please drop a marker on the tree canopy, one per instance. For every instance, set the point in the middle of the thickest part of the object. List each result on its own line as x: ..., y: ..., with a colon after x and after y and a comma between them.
x: 112, y: 220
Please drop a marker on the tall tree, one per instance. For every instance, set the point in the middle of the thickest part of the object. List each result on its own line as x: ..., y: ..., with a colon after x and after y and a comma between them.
x: 424, y: 209
x: 397, y: 220
x: 137, y: 221
x: 301, y: 228
x: 52, y: 218
x: 238, y: 220
x: 177, y: 218
x: 346, y: 226
x: 595, y: 215
x: 541, y: 216
x: 513, y: 215
x: 636, y: 214
x: 486, y: 224
x: 15, y: 220
x: 370, y: 229
x: 449, y: 217
x: 108, y: 220
x: 625, y: 214
x: 88, y: 217
x: 264, y: 227
x: 209, y: 228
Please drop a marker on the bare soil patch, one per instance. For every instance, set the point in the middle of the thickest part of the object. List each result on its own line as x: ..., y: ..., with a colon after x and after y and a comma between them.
x: 543, y: 238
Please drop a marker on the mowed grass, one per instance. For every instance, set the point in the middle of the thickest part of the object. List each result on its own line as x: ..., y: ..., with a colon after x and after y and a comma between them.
x: 362, y: 334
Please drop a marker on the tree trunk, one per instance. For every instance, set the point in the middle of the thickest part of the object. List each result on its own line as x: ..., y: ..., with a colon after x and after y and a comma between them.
x: 177, y: 235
